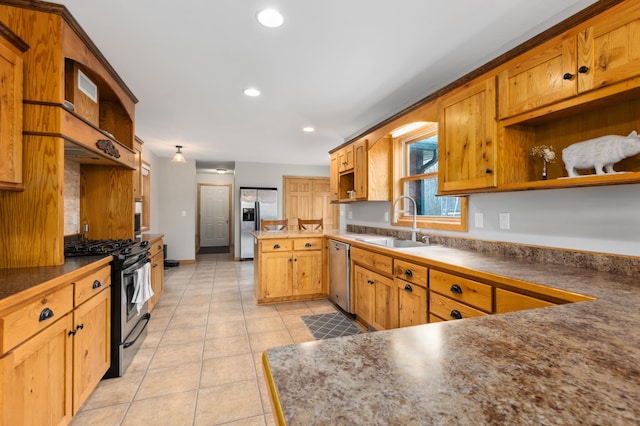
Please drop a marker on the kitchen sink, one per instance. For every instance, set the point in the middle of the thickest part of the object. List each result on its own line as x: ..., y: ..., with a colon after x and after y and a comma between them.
x: 393, y: 242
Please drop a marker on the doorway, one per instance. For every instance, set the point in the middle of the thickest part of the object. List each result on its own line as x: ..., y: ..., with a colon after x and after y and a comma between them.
x: 214, y: 218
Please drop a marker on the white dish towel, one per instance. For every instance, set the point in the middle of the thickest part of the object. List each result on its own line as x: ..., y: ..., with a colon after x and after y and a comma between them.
x: 142, y: 286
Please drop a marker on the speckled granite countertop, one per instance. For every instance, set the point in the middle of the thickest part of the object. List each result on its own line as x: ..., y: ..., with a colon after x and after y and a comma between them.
x: 577, y: 363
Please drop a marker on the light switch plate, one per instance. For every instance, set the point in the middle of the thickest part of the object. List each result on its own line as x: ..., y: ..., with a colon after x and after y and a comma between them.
x: 479, y: 219
x: 505, y: 219
x: 184, y: 213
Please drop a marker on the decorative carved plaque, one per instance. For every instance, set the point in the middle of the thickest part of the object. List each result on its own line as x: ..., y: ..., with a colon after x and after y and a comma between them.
x: 108, y: 148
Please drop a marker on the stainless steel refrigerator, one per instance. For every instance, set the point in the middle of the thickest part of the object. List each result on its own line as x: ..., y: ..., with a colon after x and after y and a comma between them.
x: 255, y: 204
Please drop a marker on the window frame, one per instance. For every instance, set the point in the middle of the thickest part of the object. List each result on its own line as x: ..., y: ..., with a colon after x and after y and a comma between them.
x: 459, y: 224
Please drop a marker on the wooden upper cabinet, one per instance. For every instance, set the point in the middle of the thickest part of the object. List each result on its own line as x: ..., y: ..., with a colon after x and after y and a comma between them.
x: 334, y: 177
x: 137, y: 173
x: 360, y: 172
x: 544, y: 75
x: 345, y: 159
x: 11, y: 71
x: 468, y: 138
x: 609, y: 50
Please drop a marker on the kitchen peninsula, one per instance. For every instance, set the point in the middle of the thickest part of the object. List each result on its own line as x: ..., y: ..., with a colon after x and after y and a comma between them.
x: 567, y: 364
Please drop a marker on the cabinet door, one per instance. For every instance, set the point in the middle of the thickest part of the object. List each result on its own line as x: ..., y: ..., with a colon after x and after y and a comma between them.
x: 91, y: 349
x: 36, y: 378
x: 360, y: 170
x: 468, y: 139
x: 542, y: 76
x: 157, y: 279
x: 412, y: 304
x: 386, y: 304
x: 276, y: 274
x: 609, y: 51
x: 364, y: 294
x: 334, y: 176
x: 137, y: 173
x: 10, y: 115
x: 345, y: 159
x: 307, y: 272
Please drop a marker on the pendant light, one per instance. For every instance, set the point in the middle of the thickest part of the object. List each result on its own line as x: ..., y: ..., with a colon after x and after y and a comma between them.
x: 178, y: 157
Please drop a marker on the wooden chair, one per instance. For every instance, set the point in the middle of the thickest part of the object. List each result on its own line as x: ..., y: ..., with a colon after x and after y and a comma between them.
x: 275, y: 225
x: 310, y: 224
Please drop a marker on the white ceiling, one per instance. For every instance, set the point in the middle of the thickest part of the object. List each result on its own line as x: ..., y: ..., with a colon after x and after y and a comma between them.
x: 340, y: 66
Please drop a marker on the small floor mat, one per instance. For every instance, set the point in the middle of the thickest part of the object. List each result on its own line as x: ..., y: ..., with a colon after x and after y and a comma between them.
x: 326, y: 326
x: 213, y: 250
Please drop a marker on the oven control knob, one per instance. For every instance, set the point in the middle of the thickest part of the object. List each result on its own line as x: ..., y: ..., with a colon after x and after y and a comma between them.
x: 144, y: 243
x: 126, y: 250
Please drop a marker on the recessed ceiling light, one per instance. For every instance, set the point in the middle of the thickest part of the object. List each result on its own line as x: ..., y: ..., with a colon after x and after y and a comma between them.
x: 308, y: 129
x: 270, y: 18
x: 251, y: 91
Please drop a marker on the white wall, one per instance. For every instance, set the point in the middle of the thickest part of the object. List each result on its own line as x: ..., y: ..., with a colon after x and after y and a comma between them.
x: 266, y: 175
x: 176, y: 206
x: 600, y: 219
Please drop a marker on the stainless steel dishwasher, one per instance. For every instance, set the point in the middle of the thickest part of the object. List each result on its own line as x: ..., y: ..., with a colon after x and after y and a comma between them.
x: 340, y: 275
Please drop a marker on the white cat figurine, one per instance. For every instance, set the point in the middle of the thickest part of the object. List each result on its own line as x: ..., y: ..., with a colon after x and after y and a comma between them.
x: 600, y: 153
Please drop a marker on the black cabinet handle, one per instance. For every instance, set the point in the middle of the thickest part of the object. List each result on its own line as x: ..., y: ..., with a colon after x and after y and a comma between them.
x: 488, y: 171
x: 371, y: 282
x: 456, y: 314
x: 276, y: 246
x: 308, y: 245
x: 295, y: 260
x: 46, y: 314
x: 72, y: 333
x: 567, y: 76
x: 97, y: 284
x: 583, y: 69
x: 79, y: 326
x: 408, y: 273
x: 408, y: 288
x: 456, y: 289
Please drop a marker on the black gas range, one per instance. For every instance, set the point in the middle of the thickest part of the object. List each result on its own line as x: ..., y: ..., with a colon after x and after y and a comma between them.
x: 129, y: 316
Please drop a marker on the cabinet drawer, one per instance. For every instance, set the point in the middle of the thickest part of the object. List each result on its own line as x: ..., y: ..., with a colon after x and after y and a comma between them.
x: 508, y: 301
x: 449, y: 309
x: 156, y: 247
x: 307, y: 244
x: 416, y: 274
x: 91, y: 284
x: 21, y: 324
x: 376, y: 261
x: 467, y: 291
x: 276, y: 245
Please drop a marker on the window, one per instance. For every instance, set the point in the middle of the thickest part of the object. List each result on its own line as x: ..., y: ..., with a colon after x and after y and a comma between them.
x: 418, y: 178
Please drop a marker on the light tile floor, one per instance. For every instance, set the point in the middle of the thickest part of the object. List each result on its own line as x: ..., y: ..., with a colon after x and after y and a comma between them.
x: 200, y: 363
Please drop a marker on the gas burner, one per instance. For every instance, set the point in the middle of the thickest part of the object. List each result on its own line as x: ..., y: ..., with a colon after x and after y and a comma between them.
x: 95, y: 247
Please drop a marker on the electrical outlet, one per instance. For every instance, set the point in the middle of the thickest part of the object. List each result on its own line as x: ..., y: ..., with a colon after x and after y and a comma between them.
x: 386, y: 216
x: 350, y: 215
x: 184, y: 213
x: 479, y: 219
x: 74, y: 218
x: 505, y: 221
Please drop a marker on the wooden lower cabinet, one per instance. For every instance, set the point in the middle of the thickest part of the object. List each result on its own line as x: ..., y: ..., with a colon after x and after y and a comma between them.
x: 376, y: 301
x: 412, y: 304
x: 47, y: 373
x: 289, y: 269
x: 91, y: 345
x: 37, y: 378
x: 157, y: 272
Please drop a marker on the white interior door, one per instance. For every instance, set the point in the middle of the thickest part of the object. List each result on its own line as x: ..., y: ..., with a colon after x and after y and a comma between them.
x: 214, y: 215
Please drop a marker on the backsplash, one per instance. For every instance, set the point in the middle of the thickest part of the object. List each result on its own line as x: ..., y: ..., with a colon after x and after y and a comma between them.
x: 71, y: 197
x: 617, y: 264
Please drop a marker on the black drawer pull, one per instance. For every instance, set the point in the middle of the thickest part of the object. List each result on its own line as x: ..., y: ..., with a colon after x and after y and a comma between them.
x: 567, y: 76
x: 456, y: 314
x: 408, y: 273
x: 583, y: 69
x: 97, y: 284
x: 408, y: 288
x: 308, y: 245
x: 456, y: 289
x: 371, y: 282
x: 79, y: 326
x: 72, y: 333
x: 46, y: 314
x: 488, y: 171
x: 276, y: 246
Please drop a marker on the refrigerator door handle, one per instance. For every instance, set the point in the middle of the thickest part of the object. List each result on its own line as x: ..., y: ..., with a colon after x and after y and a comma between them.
x: 256, y: 225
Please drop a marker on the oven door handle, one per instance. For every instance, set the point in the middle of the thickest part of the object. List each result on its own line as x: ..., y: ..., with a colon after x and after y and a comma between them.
x: 141, y: 261
x: 146, y: 317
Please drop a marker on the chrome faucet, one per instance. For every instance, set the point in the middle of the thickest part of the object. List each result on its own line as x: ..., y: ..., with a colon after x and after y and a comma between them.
x: 414, y: 228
